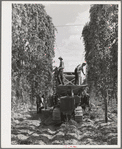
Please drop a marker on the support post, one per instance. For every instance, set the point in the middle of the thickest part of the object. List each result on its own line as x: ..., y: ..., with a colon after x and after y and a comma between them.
x: 105, y: 99
x: 72, y: 93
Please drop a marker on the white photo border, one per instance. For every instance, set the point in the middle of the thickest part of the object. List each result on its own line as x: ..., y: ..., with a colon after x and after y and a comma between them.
x: 6, y: 42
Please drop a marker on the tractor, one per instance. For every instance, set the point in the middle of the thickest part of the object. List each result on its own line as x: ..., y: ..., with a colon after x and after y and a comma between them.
x: 67, y: 98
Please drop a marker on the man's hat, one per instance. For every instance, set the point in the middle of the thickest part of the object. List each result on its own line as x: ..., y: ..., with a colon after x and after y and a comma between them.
x: 60, y: 58
x: 83, y: 63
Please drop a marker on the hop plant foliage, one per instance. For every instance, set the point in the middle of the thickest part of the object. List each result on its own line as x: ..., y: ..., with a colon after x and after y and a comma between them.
x: 33, y: 39
x: 100, y: 37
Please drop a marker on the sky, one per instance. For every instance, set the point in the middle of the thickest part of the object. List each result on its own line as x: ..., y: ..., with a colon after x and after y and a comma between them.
x: 69, y: 20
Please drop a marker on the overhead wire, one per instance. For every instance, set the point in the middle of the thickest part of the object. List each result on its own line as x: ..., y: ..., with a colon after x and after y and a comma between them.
x: 69, y: 25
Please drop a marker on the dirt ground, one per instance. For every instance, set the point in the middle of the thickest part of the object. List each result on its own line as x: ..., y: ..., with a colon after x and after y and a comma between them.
x: 30, y: 128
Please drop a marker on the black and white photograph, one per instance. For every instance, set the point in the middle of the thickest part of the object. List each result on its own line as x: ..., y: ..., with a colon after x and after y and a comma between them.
x: 60, y: 83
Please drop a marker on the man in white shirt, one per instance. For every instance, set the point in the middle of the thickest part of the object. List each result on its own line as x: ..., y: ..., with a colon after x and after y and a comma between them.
x: 78, y: 69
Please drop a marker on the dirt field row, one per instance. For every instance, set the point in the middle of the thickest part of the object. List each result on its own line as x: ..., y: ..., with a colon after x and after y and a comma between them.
x: 30, y: 128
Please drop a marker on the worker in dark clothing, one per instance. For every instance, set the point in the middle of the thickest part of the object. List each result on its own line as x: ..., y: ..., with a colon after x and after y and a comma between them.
x: 78, y: 70
x: 39, y: 102
x: 60, y: 71
x: 85, y: 100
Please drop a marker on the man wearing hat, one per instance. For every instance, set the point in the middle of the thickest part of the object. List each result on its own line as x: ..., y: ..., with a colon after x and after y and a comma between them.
x: 78, y: 70
x: 60, y: 71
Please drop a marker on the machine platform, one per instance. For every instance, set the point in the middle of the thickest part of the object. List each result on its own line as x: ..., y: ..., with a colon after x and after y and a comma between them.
x: 62, y: 89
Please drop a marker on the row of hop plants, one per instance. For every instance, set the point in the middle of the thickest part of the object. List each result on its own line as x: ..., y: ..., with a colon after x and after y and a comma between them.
x: 100, y: 37
x: 33, y: 39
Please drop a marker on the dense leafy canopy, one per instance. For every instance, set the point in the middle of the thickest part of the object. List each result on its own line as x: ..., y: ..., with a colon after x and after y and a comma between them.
x: 33, y: 38
x: 101, y: 46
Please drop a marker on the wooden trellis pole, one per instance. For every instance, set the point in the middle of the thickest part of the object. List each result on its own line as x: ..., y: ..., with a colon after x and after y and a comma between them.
x: 106, y: 107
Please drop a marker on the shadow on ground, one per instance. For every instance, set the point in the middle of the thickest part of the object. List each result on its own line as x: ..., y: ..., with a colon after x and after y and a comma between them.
x: 31, y: 128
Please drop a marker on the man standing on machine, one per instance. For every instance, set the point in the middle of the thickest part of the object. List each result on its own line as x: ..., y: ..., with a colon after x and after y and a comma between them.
x: 78, y: 70
x: 60, y: 71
